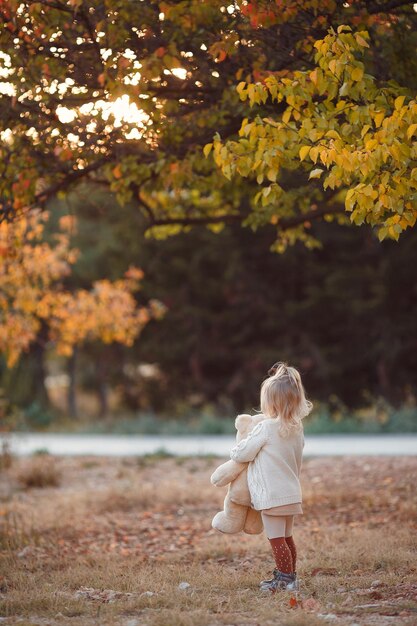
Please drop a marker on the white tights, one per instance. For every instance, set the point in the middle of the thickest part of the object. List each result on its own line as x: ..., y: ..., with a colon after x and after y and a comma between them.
x: 277, y: 525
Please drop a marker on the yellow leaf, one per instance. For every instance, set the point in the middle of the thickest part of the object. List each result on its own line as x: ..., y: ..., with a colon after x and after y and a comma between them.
x: 286, y: 116
x: 332, y: 66
x: 399, y: 102
x: 379, y: 118
x: 304, y: 152
x: 411, y: 130
x: 370, y: 144
x: 343, y: 29
x: 272, y: 175
x: 323, y: 156
x: 395, y: 152
x: 349, y: 200
x: 361, y: 41
x: 344, y: 89
x: 333, y: 134
x: 314, y: 153
x: 356, y: 74
x: 313, y: 76
x: 207, y: 149
x: 316, y: 173
x: 382, y: 233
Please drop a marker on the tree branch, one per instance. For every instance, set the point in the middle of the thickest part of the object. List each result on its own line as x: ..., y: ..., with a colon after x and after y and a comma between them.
x: 389, y: 6
x: 45, y: 194
x: 314, y: 214
x: 196, y: 221
x: 233, y: 218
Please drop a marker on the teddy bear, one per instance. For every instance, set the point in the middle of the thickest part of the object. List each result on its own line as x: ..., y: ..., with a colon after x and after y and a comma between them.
x: 237, y: 514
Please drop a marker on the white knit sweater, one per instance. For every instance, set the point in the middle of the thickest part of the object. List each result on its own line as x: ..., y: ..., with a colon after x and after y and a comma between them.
x: 274, y: 464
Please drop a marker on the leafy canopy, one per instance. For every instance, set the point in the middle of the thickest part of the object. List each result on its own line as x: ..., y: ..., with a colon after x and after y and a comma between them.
x: 128, y: 93
x: 338, y: 126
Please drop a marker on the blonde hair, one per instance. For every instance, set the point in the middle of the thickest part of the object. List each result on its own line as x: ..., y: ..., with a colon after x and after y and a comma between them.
x: 283, y: 396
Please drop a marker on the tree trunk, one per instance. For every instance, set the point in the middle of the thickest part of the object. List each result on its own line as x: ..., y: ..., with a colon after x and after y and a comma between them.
x: 102, y: 388
x: 72, y: 391
x: 25, y: 383
x: 39, y: 373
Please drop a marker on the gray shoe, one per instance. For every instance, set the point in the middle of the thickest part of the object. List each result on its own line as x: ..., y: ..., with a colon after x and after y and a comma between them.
x: 270, y: 580
x: 294, y: 585
x: 287, y: 582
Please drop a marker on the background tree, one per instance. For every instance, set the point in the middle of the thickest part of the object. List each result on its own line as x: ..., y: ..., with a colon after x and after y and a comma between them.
x: 36, y: 307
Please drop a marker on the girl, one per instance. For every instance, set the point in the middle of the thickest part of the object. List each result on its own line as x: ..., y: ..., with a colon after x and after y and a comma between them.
x: 274, y: 451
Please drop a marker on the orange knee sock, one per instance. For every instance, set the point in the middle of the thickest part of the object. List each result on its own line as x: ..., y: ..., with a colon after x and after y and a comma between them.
x: 291, y: 545
x: 282, y: 555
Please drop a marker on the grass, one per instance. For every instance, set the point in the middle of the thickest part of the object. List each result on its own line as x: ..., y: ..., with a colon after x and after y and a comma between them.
x: 39, y: 472
x: 114, y: 524
x: 376, y: 417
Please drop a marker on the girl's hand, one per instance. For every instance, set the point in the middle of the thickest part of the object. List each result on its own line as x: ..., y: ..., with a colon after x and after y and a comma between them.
x: 247, y: 449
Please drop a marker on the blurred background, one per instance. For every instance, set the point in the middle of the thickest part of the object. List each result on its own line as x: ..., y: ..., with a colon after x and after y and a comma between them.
x: 117, y: 153
x: 345, y: 315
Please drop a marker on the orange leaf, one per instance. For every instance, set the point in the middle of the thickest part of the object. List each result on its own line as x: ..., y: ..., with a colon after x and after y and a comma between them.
x: 160, y: 51
x: 222, y: 54
x: 117, y: 172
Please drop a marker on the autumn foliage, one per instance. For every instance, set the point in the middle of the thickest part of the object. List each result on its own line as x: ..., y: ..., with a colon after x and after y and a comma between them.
x: 336, y: 124
x: 75, y: 72
x: 33, y: 293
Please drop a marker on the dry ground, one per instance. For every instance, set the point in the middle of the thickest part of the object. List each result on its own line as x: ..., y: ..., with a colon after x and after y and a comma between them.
x: 112, y: 542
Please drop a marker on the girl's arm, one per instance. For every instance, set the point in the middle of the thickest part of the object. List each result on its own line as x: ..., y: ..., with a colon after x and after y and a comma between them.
x: 247, y: 449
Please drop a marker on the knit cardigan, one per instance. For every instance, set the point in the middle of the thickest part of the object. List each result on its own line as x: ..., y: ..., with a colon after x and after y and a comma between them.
x: 274, y: 464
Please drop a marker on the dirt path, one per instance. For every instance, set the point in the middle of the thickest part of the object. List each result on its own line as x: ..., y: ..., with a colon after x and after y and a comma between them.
x: 129, y: 542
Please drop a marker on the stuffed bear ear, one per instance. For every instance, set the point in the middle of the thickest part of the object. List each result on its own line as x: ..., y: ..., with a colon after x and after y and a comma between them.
x: 243, y: 421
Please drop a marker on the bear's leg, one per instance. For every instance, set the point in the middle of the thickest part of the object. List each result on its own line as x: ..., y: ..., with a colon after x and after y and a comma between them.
x: 232, y: 519
x: 253, y: 523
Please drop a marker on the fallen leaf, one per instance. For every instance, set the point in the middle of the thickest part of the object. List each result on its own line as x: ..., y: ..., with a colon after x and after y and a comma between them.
x: 325, y: 571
